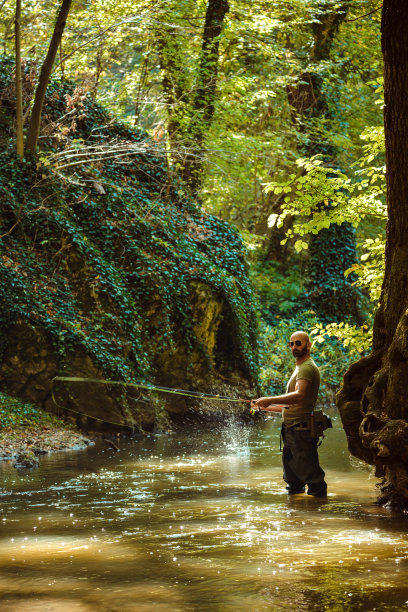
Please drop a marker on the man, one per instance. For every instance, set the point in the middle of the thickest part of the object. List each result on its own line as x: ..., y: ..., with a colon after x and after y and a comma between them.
x: 300, y: 459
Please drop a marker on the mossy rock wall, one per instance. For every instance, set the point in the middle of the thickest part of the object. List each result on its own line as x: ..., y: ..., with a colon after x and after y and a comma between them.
x: 108, y: 271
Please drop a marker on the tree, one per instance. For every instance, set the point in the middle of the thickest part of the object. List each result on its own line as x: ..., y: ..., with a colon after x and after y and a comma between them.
x: 19, y: 84
x: 190, y: 112
x: 46, y: 69
x: 373, y: 402
x: 205, y: 92
x: 332, y: 250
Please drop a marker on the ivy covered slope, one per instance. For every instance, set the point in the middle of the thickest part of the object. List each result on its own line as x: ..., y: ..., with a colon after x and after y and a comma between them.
x: 107, y: 271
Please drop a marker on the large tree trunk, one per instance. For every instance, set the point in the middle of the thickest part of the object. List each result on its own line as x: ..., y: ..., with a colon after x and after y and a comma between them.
x: 373, y: 401
x: 46, y: 69
x: 332, y: 250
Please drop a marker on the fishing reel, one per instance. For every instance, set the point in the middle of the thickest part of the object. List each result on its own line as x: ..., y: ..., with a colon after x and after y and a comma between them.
x: 257, y: 413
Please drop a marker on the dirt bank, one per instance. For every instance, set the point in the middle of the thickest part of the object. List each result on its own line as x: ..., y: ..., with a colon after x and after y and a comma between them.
x: 23, y: 446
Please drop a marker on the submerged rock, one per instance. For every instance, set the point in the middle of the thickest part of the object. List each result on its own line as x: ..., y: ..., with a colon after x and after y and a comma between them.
x: 26, y: 459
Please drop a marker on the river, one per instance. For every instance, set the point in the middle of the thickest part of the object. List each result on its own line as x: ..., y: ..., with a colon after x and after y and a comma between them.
x: 197, y: 521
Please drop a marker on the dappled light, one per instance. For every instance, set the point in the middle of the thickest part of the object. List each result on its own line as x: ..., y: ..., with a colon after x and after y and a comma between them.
x: 203, y: 306
x: 175, y: 520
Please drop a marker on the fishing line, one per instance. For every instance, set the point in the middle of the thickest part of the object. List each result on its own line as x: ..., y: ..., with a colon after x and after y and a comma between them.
x: 137, y: 385
x: 182, y: 392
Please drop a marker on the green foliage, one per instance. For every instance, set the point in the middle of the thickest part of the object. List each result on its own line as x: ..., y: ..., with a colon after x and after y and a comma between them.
x: 113, y: 49
x: 87, y: 266
x: 370, y: 272
x: 254, y: 136
x: 14, y: 413
x: 278, y: 290
x: 332, y: 357
x: 323, y: 197
x: 356, y: 339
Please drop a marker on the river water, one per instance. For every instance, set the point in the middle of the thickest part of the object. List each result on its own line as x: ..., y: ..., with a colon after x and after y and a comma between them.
x: 197, y: 521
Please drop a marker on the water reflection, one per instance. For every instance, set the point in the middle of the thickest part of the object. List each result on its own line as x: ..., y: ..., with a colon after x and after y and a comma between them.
x: 197, y: 521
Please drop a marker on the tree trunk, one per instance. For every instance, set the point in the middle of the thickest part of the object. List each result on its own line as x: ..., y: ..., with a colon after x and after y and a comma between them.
x: 373, y: 402
x: 46, y: 69
x: 175, y: 89
x: 19, y: 82
x: 205, y: 93
x: 332, y: 250
x: 189, y: 115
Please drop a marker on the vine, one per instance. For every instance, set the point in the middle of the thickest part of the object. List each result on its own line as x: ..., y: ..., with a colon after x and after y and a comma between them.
x: 88, y: 250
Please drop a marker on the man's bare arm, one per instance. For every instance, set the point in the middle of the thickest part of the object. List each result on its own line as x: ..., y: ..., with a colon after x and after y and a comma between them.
x: 287, y: 399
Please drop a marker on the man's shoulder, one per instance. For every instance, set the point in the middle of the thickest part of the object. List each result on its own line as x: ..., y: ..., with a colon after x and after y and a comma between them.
x: 310, y: 363
x: 307, y: 369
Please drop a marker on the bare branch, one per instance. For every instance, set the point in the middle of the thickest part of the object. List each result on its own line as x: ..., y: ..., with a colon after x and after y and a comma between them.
x: 11, y: 229
x: 366, y: 15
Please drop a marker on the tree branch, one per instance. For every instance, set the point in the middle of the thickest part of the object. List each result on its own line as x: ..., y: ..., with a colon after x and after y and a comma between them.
x: 46, y: 69
x: 366, y: 14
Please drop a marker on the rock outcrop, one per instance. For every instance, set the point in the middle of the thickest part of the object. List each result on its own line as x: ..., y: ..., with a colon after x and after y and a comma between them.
x: 131, y: 281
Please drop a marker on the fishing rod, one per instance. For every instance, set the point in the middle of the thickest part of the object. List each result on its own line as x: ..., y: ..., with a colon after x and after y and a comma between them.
x: 175, y: 391
x: 139, y: 385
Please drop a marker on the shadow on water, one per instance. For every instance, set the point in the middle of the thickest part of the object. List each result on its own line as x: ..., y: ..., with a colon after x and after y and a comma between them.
x: 198, y: 520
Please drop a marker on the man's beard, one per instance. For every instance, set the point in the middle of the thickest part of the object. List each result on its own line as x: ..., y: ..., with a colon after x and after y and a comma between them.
x: 299, y: 353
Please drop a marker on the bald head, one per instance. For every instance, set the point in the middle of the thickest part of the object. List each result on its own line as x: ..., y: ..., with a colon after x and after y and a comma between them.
x: 300, y: 346
x: 300, y: 335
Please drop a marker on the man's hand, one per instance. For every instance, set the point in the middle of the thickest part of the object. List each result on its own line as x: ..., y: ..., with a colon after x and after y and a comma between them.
x: 264, y: 404
x: 260, y: 402
x: 277, y: 402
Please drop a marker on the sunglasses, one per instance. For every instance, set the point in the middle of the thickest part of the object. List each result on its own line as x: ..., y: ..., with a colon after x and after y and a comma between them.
x: 297, y: 342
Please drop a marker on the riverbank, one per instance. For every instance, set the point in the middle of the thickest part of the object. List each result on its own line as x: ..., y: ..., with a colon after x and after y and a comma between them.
x: 23, y: 446
x: 27, y: 431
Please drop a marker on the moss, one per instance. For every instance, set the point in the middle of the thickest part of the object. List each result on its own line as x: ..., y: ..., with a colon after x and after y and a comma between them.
x: 15, y: 413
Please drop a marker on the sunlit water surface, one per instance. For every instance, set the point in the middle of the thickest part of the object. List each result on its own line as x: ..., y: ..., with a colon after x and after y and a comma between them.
x: 197, y: 521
